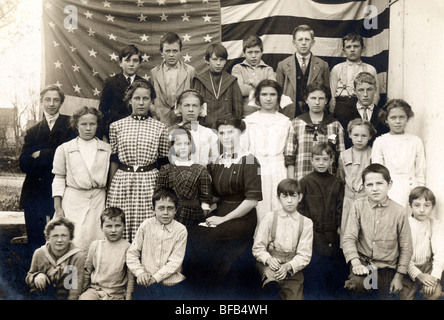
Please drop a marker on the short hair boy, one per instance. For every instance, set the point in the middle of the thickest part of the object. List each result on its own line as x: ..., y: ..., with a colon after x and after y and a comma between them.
x: 107, y: 276
x: 251, y: 71
x: 293, y: 73
x: 322, y: 202
x: 219, y: 89
x: 283, y: 244
x: 170, y: 78
x: 160, y: 268
x: 343, y: 74
x: 111, y: 100
x: 427, y: 263
x: 377, y: 238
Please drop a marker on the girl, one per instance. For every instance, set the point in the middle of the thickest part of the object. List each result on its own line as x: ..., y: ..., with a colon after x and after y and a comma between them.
x: 265, y: 137
x: 402, y: 153
x: 190, y: 180
x: 352, y: 163
x: 314, y: 126
x: 81, y: 170
x: 139, y: 145
x: 190, y: 106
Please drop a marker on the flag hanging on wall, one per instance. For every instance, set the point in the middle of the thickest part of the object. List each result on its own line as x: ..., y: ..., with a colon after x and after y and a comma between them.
x: 82, y: 38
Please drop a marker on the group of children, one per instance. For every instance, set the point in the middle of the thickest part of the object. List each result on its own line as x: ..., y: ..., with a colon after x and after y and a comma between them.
x: 339, y: 207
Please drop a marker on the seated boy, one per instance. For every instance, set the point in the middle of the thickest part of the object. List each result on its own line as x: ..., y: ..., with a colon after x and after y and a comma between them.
x: 111, y: 100
x: 323, y: 195
x: 283, y: 244
x: 219, y: 89
x: 57, y: 267
x: 155, y: 257
x: 170, y: 78
x: 106, y: 275
x: 365, y: 87
x: 299, y: 70
x: 377, y: 239
x: 427, y: 263
x: 251, y: 71
x: 343, y: 74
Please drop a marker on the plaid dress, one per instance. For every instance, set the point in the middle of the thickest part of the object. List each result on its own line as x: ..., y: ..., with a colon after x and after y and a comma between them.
x: 304, y: 135
x: 192, y: 185
x: 137, y: 143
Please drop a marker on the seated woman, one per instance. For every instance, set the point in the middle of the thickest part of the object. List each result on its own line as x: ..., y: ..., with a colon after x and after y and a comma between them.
x: 218, y: 245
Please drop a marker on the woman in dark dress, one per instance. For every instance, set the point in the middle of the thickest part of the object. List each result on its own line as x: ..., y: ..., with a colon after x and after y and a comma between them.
x: 217, y: 248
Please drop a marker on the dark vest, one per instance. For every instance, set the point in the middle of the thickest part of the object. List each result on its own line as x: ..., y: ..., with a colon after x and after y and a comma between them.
x: 302, y: 81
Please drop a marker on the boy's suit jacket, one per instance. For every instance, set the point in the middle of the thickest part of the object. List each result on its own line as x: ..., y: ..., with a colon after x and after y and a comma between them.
x: 164, y: 111
x: 286, y: 77
x: 111, y: 101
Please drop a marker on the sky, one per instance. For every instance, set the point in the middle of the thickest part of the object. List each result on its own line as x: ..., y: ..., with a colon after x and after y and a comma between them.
x: 20, y: 54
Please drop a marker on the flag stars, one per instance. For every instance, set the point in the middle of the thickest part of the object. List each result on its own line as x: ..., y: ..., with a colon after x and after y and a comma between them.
x: 113, y: 56
x: 106, y: 4
x: 58, y: 84
x: 142, y: 17
x: 146, y: 77
x: 186, y: 37
x: 205, y: 1
x: 185, y: 17
x: 88, y: 15
x: 92, y: 53
x: 56, y: 44
x: 144, y: 37
x: 96, y: 92
x: 207, y: 18
x: 112, y: 37
x: 161, y: 2
x: 110, y: 18
x: 91, y: 32
x: 164, y: 17
x: 139, y: 3
x: 76, y: 68
x: 73, y: 49
x: 48, y: 5
x: 70, y: 29
x: 183, y: 1
x: 187, y: 58
x: 51, y: 24
x: 207, y: 38
x: 58, y: 64
x: 94, y: 72
x: 145, y: 57
x: 77, y: 88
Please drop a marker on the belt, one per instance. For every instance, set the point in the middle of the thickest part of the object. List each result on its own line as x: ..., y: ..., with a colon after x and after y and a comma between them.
x: 147, y: 168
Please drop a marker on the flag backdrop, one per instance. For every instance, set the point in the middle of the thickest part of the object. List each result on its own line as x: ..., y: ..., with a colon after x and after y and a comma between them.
x: 82, y: 39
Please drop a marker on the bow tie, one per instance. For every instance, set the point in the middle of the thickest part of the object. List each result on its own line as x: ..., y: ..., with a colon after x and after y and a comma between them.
x: 229, y: 156
x: 312, y: 128
x: 365, y: 108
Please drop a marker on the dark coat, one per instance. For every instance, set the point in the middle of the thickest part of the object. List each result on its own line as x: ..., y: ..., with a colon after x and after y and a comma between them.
x: 38, y: 180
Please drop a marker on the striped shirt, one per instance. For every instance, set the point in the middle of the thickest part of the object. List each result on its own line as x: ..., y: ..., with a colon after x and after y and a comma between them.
x: 159, y: 250
x: 426, y: 248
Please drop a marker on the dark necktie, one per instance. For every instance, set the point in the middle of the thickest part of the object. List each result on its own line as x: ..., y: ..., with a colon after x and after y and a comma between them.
x: 364, y: 114
x: 128, y: 80
x: 304, y: 65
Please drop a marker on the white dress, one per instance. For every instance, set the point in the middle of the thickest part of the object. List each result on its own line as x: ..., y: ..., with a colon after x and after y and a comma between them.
x: 266, y: 137
x: 403, y: 155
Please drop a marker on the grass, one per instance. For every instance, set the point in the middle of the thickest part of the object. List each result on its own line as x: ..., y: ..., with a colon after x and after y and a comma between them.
x: 10, y: 188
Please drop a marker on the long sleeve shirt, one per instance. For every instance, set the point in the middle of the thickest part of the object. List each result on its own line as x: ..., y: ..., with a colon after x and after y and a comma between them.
x: 159, y: 250
x: 427, y: 247
x: 286, y: 240
x: 379, y: 233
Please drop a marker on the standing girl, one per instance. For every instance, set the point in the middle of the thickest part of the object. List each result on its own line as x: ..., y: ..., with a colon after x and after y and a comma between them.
x: 190, y: 180
x: 310, y: 128
x: 402, y: 153
x: 139, y: 145
x: 265, y: 138
x: 352, y: 163
x: 81, y: 170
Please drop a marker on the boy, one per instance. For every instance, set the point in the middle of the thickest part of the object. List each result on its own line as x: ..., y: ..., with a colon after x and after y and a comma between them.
x: 170, y: 78
x: 343, y: 74
x: 365, y: 87
x: 377, y: 238
x: 155, y: 257
x: 57, y: 267
x: 322, y: 200
x: 219, y: 89
x: 111, y: 100
x: 251, y: 71
x: 283, y: 244
x: 427, y: 263
x: 106, y: 275
x: 299, y: 70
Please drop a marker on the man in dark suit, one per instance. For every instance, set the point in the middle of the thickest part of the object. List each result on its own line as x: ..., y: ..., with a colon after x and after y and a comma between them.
x: 36, y: 160
x: 365, y: 88
x: 299, y: 70
x: 111, y: 100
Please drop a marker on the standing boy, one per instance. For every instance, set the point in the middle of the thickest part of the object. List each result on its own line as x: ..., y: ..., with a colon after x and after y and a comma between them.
x: 156, y: 254
x: 170, y: 78
x: 111, y: 101
x: 283, y: 244
x: 299, y: 70
x: 343, y: 74
x: 107, y: 276
x: 322, y: 200
x: 365, y: 87
x: 377, y: 240
x: 36, y: 158
x: 251, y: 71
x: 219, y: 89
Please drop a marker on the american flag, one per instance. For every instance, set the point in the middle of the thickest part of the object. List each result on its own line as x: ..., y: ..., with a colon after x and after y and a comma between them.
x: 82, y: 38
